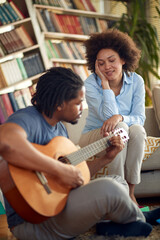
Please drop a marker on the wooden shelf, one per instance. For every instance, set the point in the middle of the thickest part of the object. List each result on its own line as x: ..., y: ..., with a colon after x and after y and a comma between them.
x: 65, y: 36
x: 78, y: 12
x: 15, y: 54
x: 72, y: 61
x: 21, y: 84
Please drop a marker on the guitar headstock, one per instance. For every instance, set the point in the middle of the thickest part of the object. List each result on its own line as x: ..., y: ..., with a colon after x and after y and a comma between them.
x: 122, y: 133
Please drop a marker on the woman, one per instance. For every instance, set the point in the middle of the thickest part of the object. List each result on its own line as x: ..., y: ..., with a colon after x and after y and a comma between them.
x: 115, y: 95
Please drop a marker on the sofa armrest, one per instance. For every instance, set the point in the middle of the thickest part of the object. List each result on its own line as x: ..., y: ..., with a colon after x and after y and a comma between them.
x: 151, y: 125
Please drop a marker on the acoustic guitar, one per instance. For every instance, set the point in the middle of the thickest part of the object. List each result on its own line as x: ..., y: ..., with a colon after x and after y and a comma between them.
x: 37, y: 196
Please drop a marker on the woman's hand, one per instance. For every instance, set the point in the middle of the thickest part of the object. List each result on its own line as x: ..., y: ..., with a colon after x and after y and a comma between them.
x: 110, y: 124
x: 104, y: 80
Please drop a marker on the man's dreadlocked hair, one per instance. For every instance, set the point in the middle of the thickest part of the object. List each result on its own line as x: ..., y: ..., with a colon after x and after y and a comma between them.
x: 54, y: 87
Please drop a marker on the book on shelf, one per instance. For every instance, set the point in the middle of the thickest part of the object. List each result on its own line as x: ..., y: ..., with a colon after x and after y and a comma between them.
x: 13, y: 101
x: 11, y: 72
x: 5, y: 20
x: 81, y: 70
x: 66, y: 51
x: 103, y: 24
x: 19, y: 99
x: 7, y: 104
x: 3, y: 49
x: 46, y: 18
x: 4, y: 115
x: 22, y: 68
x: 26, y: 96
x: 59, y: 50
x: 1, y: 52
x: 67, y: 4
x: 3, y: 81
x: 78, y: 4
x: 5, y: 73
x: 80, y: 49
x: 49, y: 54
x: 55, y: 21
x: 5, y: 43
x: 52, y: 49
x: 90, y: 5
x: 16, y: 9
x: 11, y: 41
x: 7, y: 13
x: 12, y: 11
x: 24, y: 36
x: 75, y: 50
x: 33, y: 64
x: 41, y: 21
x: 38, y: 63
x: 32, y: 89
x: 76, y: 22
x: 17, y: 39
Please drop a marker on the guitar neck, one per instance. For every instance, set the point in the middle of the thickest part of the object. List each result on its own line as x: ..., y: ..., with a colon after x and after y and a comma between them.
x: 89, y: 151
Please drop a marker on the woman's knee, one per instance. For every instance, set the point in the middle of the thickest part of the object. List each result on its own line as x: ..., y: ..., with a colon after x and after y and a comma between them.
x: 123, y: 125
x: 138, y: 132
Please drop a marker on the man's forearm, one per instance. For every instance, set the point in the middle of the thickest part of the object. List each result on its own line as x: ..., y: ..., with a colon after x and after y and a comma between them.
x: 97, y: 163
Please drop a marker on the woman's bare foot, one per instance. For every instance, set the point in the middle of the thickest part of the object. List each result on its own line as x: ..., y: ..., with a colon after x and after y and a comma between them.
x: 131, y: 193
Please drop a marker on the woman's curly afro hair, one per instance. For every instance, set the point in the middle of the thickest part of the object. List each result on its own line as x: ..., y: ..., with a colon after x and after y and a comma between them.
x: 116, y: 40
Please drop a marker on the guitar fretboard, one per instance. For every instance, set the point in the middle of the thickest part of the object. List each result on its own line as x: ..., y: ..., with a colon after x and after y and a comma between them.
x: 92, y: 149
x: 86, y: 152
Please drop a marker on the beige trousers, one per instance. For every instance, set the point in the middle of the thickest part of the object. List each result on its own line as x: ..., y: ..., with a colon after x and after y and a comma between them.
x: 127, y: 163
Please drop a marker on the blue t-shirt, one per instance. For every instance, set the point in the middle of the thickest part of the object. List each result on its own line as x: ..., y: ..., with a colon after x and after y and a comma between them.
x: 38, y: 131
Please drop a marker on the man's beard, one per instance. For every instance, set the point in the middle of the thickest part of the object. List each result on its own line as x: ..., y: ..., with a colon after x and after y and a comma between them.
x: 74, y: 122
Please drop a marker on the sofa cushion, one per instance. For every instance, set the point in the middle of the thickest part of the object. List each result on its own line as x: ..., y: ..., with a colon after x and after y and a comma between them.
x: 149, y: 185
x: 156, y: 103
x: 151, y: 160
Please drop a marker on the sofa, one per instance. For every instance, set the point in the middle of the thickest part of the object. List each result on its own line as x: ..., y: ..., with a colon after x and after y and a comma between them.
x: 150, y: 173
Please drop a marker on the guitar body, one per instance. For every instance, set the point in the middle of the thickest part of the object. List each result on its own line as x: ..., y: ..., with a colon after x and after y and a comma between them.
x: 25, y: 192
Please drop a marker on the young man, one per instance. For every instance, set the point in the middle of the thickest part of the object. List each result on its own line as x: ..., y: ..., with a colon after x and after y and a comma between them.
x: 59, y: 95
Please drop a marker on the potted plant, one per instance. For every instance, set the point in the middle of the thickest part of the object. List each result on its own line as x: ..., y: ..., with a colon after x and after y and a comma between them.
x: 135, y: 23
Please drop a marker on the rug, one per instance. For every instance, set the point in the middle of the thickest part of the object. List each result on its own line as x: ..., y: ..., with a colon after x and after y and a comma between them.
x: 91, y: 235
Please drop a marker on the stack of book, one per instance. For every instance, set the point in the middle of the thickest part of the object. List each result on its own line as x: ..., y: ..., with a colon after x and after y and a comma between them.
x: 81, y: 70
x: 14, y: 40
x: 65, y: 49
x: 72, y: 24
x: 11, y: 102
x: 9, y: 13
x: 85, y: 5
x: 19, y: 69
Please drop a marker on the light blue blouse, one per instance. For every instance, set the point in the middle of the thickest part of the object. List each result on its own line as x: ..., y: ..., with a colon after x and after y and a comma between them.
x: 102, y: 103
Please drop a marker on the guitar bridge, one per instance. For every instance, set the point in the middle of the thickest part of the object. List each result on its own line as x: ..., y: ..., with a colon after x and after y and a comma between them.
x: 43, y: 181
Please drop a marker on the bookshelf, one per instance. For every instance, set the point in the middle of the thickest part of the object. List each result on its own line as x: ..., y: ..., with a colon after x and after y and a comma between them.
x: 19, y: 48
x: 66, y: 25
x: 55, y: 35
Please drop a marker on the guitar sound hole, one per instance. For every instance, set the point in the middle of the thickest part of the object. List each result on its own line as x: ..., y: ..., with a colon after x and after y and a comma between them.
x: 64, y: 160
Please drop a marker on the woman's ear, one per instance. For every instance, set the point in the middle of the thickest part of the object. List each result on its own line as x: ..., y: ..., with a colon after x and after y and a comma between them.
x: 123, y: 62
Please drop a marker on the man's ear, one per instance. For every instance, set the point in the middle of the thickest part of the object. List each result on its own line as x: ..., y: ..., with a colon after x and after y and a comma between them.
x: 60, y: 107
